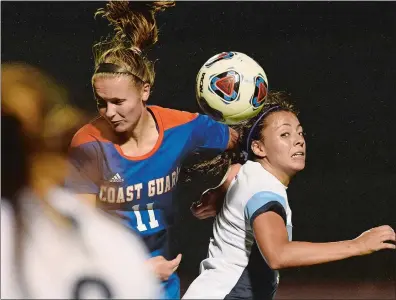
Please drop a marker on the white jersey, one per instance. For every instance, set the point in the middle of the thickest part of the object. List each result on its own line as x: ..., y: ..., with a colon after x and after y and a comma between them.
x: 235, y: 268
x: 96, y: 258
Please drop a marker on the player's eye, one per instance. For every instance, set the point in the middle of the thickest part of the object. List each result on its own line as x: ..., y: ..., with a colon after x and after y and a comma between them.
x: 100, y: 103
x: 302, y: 133
x: 119, y: 102
x: 285, y: 134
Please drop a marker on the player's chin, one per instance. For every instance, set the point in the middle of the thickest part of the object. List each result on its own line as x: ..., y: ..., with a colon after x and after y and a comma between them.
x: 298, y: 165
x: 120, y: 128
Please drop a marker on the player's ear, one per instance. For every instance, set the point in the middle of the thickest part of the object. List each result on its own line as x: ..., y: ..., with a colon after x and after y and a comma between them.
x: 145, y: 93
x: 258, y: 149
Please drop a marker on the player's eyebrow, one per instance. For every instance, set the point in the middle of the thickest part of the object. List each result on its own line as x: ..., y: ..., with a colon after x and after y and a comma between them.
x: 284, y: 124
x: 109, y: 99
x: 114, y: 99
x: 287, y: 124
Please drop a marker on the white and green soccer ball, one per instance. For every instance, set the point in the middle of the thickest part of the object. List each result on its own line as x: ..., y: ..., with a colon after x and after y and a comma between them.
x: 231, y: 87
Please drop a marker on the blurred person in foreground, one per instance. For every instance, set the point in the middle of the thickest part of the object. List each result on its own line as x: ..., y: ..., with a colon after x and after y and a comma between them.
x: 52, y: 244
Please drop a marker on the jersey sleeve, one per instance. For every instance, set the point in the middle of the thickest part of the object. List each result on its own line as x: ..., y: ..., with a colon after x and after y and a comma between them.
x: 209, y: 134
x: 262, y: 202
x: 84, y: 175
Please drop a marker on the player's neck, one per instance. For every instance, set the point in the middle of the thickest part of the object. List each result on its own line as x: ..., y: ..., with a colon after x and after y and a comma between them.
x: 139, y: 131
x: 143, y: 136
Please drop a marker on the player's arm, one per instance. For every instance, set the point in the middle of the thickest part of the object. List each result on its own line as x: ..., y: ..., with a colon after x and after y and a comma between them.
x: 211, y: 135
x: 233, y: 138
x: 162, y: 267
x: 272, y: 239
x: 208, y: 134
x: 227, y: 179
x: 212, y: 199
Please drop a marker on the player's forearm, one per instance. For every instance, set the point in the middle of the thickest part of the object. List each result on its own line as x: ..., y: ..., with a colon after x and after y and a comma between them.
x: 296, y: 254
x: 233, y: 139
x: 226, y: 181
x: 229, y: 176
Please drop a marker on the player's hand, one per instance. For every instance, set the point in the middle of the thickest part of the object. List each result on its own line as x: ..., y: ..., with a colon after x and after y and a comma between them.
x: 375, y: 239
x: 206, y: 207
x: 164, y: 268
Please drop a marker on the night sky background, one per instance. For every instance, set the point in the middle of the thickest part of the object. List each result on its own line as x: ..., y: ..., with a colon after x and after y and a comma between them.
x: 336, y: 59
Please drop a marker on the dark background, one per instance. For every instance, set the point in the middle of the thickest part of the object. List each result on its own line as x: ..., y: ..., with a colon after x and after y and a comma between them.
x: 336, y: 59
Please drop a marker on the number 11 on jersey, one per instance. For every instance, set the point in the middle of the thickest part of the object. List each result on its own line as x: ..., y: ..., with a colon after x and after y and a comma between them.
x: 153, y: 223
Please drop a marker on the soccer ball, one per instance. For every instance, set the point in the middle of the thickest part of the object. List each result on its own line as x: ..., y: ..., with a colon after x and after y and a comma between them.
x: 231, y: 87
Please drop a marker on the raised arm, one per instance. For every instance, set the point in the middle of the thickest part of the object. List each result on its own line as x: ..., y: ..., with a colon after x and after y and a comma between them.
x: 271, y: 236
x: 233, y: 139
x: 212, y: 199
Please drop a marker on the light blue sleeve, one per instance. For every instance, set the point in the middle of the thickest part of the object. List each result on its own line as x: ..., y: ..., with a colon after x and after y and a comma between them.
x: 262, y: 202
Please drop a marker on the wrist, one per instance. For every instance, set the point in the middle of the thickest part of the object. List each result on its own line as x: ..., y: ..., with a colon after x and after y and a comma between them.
x: 355, y: 247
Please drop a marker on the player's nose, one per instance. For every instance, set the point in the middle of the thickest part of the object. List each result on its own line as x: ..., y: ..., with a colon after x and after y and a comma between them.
x: 110, y: 110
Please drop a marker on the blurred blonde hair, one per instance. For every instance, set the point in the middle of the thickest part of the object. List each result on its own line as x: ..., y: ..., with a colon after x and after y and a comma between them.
x: 38, y: 126
x: 48, y: 123
x: 39, y: 103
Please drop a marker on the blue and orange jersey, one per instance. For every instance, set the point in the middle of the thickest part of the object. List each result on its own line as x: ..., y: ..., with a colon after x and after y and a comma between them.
x: 140, y: 189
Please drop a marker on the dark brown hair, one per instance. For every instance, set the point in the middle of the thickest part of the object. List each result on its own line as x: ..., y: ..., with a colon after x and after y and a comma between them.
x: 253, y: 129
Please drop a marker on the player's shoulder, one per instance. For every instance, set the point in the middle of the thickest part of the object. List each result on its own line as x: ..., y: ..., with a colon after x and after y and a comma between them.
x: 172, y: 118
x: 256, y: 179
x: 96, y: 130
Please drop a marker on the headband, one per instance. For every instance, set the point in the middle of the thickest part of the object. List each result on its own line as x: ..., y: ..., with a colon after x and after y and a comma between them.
x: 113, y: 68
x: 253, y: 128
